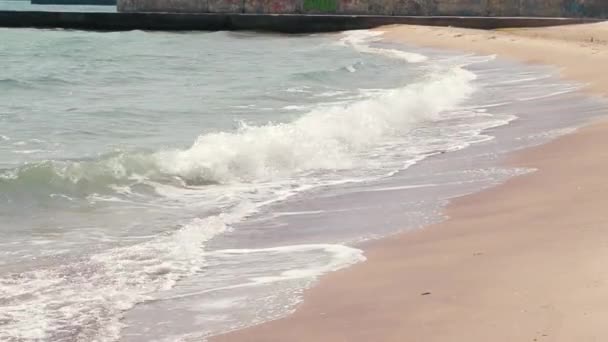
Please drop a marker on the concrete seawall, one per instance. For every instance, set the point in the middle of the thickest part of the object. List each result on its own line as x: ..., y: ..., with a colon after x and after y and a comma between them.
x: 275, y: 23
x: 511, y: 8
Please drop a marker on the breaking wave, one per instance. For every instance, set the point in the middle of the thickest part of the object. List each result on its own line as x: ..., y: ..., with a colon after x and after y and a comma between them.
x: 326, y: 138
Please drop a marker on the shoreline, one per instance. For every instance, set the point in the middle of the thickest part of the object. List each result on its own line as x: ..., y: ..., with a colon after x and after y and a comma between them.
x: 519, y: 261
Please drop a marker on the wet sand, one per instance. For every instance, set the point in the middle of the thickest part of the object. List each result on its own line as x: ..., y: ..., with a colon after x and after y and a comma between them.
x: 524, y: 261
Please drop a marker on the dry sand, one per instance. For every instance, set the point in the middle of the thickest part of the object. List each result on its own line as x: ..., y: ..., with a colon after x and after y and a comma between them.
x: 525, y: 261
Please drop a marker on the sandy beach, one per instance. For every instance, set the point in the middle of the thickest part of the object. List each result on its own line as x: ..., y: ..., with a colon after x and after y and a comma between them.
x: 524, y: 261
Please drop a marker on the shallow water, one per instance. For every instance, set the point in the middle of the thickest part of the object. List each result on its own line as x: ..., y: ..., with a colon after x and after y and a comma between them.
x: 162, y: 186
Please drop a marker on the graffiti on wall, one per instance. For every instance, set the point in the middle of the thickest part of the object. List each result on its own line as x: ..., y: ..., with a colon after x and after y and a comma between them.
x: 279, y: 6
x: 321, y: 5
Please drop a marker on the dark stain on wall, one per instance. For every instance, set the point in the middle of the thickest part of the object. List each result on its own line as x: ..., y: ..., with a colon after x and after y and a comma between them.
x: 586, y: 8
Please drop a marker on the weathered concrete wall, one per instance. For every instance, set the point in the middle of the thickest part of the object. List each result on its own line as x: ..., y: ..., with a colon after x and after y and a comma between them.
x: 544, y: 8
x: 307, y: 23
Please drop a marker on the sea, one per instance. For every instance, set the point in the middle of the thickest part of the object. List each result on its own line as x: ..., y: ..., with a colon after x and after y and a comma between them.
x: 159, y: 186
x: 26, y: 5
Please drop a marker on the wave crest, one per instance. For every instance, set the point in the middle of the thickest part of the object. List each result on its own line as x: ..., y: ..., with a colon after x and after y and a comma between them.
x: 327, y: 138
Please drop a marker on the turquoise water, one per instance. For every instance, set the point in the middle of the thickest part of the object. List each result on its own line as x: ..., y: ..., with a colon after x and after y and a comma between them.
x: 170, y: 186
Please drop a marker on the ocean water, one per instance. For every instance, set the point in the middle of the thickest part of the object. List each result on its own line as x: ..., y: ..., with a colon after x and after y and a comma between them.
x: 173, y: 186
x: 26, y: 5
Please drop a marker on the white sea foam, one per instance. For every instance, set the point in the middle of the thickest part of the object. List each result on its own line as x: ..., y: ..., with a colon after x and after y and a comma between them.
x: 340, y: 257
x: 550, y: 134
x: 325, y: 138
x: 295, y: 107
x: 524, y: 79
x: 302, y: 89
x: 361, y: 39
x: 331, y: 93
x: 94, y: 292
x: 552, y: 94
x: 295, y: 213
x: 30, y: 151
